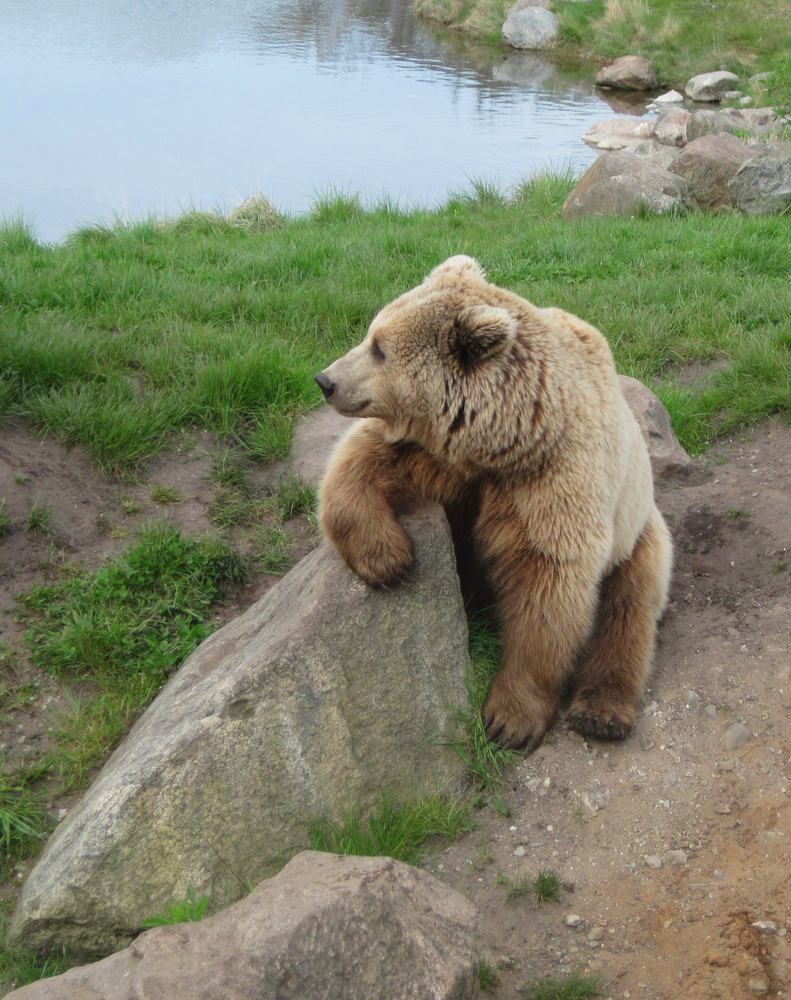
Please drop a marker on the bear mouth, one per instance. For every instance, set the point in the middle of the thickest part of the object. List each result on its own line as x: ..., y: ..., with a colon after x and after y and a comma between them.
x: 351, y: 411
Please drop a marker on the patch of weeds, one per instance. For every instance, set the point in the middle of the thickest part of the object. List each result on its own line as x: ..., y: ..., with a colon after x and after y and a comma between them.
x: 484, y: 760
x: 737, y: 513
x: 5, y: 521
x: 268, y: 437
x: 180, y: 912
x: 40, y: 517
x: 130, y: 506
x: 232, y: 506
x: 516, y: 889
x: 23, y: 820
x: 86, y: 733
x: 575, y: 986
x: 228, y: 472
x: 165, y: 495
x: 132, y: 622
x: 294, y: 498
x: 548, y: 886
x: 20, y: 480
x: 274, y: 554
x: 498, y: 802
x: 20, y: 965
x: 403, y: 832
x: 487, y: 975
x: 780, y: 567
x: 103, y: 524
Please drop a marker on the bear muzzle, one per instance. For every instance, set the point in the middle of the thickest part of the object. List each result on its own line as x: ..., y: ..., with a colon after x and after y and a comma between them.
x: 326, y: 384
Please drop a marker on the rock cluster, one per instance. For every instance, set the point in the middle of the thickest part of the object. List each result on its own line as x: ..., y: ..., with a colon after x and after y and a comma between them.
x: 712, y: 160
x: 342, y: 928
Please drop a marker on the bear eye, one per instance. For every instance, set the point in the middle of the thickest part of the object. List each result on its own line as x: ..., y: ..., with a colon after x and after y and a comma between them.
x: 376, y: 350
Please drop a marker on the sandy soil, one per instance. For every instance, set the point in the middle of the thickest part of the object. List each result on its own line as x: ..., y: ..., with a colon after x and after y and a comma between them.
x: 672, y: 846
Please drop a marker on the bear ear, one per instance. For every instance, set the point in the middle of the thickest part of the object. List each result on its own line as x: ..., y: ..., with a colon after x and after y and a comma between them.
x: 459, y: 266
x: 481, y: 333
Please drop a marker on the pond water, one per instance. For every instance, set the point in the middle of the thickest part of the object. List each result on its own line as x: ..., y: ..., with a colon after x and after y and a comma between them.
x: 130, y: 107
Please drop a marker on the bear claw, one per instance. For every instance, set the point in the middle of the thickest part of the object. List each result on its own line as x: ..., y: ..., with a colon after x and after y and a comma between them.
x: 602, y: 726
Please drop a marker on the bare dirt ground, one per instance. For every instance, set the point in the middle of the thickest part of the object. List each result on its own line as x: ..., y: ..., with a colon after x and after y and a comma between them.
x: 672, y: 846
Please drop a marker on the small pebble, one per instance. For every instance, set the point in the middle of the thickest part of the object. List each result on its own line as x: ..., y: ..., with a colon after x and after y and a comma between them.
x: 782, y: 932
x: 677, y: 858
x: 596, y: 933
x: 765, y: 926
x: 653, y: 861
x: 757, y: 985
x: 711, y: 711
x: 520, y: 852
x: 693, y: 699
x: 572, y: 920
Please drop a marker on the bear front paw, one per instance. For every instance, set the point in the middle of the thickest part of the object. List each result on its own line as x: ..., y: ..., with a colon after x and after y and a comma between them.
x: 511, y: 724
x: 384, y: 563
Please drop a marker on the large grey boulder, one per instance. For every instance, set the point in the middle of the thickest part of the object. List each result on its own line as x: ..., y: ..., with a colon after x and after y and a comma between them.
x: 667, y: 455
x: 339, y: 928
x: 621, y: 183
x: 628, y: 73
x: 709, y: 164
x: 322, y: 694
x: 653, y: 151
x: 705, y: 121
x: 531, y: 28
x: 711, y: 86
x: 763, y: 185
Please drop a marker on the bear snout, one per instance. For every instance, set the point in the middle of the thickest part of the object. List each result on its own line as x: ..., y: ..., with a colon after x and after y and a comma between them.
x: 326, y: 384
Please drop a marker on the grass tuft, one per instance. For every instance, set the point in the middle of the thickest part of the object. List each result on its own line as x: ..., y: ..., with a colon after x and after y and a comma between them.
x: 575, y: 986
x: 23, y: 820
x: 403, y: 832
x: 189, y: 909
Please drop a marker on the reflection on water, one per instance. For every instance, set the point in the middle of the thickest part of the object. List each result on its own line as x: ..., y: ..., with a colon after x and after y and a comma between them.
x: 116, y: 107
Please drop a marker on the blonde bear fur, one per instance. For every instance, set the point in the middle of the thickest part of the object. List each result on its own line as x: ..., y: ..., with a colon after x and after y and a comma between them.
x: 467, y: 388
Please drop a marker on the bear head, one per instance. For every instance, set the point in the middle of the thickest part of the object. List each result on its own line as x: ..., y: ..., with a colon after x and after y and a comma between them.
x: 438, y: 364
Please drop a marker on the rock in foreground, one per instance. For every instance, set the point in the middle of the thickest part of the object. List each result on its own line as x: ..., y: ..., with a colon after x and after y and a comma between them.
x: 323, y: 693
x: 339, y: 928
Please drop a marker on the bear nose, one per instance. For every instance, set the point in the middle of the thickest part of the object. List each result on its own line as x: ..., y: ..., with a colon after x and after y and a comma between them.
x: 326, y: 384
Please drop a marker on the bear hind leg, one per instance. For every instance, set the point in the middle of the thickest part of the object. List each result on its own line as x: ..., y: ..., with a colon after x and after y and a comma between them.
x: 611, y: 676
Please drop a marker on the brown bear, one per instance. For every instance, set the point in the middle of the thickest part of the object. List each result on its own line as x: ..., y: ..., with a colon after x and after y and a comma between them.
x: 469, y: 391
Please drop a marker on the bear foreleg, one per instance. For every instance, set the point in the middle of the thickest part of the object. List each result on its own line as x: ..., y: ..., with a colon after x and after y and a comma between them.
x: 369, y: 482
x: 613, y: 670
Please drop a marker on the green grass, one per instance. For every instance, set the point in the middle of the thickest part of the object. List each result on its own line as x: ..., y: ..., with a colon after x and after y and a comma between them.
x: 487, y: 975
x: 546, y: 887
x: 180, y: 912
x: 132, y: 622
x: 124, y: 335
x: 24, y: 822
x: 40, y: 518
x: 165, y: 495
x: 484, y: 759
x: 575, y: 986
x: 403, y: 831
x: 20, y: 965
x: 5, y: 520
x: 85, y: 734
